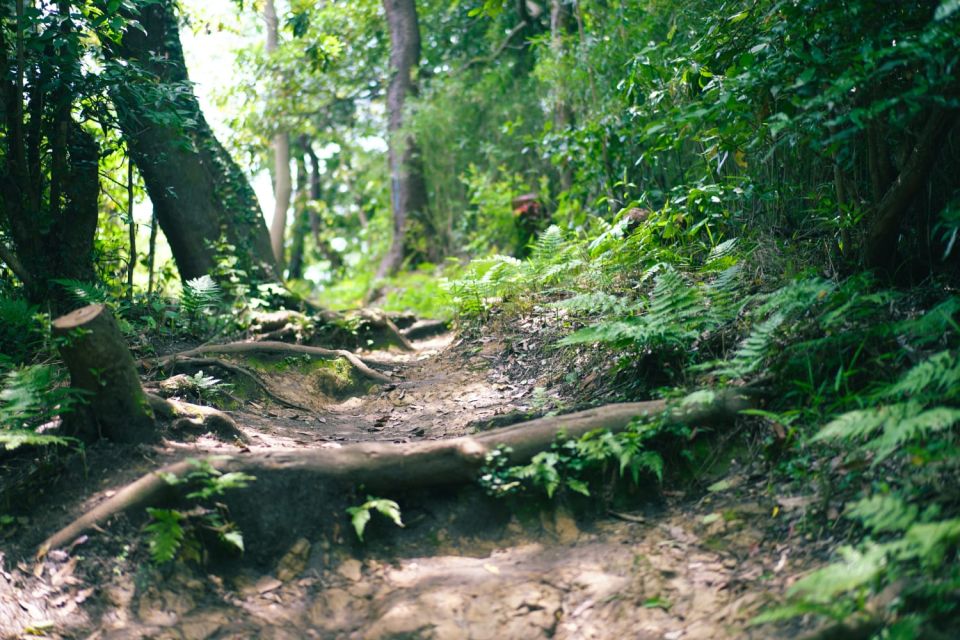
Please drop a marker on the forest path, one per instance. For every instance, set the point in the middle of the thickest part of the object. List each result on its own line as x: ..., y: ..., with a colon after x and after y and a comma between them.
x: 464, y: 567
x: 438, y: 392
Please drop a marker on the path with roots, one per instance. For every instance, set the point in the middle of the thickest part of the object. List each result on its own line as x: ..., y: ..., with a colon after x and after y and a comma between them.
x: 464, y: 566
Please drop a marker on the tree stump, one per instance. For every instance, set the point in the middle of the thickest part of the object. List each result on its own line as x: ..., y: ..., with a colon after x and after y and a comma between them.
x: 100, y: 364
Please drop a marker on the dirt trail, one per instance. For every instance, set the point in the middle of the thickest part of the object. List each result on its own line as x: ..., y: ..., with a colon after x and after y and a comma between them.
x: 464, y: 567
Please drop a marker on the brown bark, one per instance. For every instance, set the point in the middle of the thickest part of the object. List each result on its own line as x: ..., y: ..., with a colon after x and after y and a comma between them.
x: 197, y: 190
x: 881, y: 243
x: 407, y: 186
x: 101, y: 365
x: 393, y: 467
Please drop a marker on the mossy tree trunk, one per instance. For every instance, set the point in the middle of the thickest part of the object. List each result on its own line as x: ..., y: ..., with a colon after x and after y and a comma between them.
x: 198, y: 192
x: 100, y: 364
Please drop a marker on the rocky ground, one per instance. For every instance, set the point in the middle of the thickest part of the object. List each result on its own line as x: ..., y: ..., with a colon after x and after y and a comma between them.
x: 680, y: 563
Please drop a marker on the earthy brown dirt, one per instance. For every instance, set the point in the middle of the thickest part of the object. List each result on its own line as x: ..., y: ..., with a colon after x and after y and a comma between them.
x: 464, y: 567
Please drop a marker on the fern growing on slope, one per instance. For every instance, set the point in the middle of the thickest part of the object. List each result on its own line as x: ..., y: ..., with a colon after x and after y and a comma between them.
x: 908, y: 425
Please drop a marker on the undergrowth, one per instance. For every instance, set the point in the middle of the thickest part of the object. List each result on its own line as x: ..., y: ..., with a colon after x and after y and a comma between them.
x: 862, y: 380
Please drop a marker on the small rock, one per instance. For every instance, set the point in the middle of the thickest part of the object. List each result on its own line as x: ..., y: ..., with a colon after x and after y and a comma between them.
x: 267, y: 584
x: 350, y: 569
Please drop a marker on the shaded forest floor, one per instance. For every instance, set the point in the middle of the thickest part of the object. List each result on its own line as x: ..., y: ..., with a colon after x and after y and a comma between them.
x: 675, y: 562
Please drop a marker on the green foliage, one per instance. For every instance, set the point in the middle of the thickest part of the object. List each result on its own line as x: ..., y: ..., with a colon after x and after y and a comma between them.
x: 165, y: 534
x: 32, y: 400
x: 20, y: 329
x: 202, y: 387
x: 84, y: 293
x: 573, y: 465
x: 175, y: 532
x: 201, y: 305
x: 360, y: 515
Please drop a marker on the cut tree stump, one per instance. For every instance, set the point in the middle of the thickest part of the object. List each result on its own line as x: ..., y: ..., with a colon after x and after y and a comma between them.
x: 100, y: 364
x: 395, y: 467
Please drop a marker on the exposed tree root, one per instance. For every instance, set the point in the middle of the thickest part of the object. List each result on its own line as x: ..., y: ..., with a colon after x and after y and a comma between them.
x: 240, y: 371
x: 385, y: 466
x: 424, y: 329
x: 360, y: 364
x: 195, y: 417
x: 380, y: 320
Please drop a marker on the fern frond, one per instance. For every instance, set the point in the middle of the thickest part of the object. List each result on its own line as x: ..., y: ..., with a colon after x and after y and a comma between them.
x: 884, y: 513
x: 929, y: 542
x: 84, y: 292
x: 22, y: 398
x: 938, y: 374
x: 857, y: 569
x: 548, y: 245
x: 594, y: 302
x: 616, y: 332
x: 912, y: 428
x: 721, y: 254
x: 797, y: 296
x: 165, y: 534
x: 13, y: 438
x: 753, y: 351
x: 934, y: 324
x: 854, y: 425
x: 199, y: 295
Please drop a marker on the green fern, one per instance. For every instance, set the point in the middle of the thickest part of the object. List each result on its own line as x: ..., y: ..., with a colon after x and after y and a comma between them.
x: 14, y: 438
x: 933, y: 325
x: 858, y: 569
x: 938, y: 374
x: 32, y: 397
x: 595, y: 302
x: 884, y: 513
x: 165, y: 534
x: 200, y: 295
x: 863, y: 423
x: 752, y: 353
x: 548, y: 247
x: 20, y: 330
x: 83, y: 292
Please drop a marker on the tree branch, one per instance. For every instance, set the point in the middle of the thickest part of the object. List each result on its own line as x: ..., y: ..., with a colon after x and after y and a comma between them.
x: 10, y: 259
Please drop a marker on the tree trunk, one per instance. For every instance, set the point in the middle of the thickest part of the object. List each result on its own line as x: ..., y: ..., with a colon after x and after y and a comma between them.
x: 282, y: 183
x: 52, y: 238
x: 101, y: 365
x: 386, y: 467
x: 880, y: 251
x: 562, y: 25
x: 198, y: 191
x: 301, y: 219
x: 407, y: 186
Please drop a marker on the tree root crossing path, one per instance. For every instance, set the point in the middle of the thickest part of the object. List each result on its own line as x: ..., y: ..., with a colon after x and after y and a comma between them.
x: 412, y: 426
